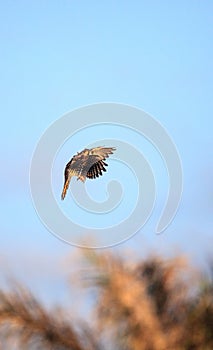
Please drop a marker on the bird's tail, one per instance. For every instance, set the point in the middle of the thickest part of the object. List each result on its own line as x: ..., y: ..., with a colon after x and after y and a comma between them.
x: 66, y: 185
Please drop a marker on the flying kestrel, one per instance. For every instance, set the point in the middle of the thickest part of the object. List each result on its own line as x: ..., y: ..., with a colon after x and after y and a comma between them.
x: 88, y: 163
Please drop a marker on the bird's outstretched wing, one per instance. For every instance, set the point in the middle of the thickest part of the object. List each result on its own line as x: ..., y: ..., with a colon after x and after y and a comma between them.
x: 96, y: 162
x: 88, y: 163
x: 96, y: 169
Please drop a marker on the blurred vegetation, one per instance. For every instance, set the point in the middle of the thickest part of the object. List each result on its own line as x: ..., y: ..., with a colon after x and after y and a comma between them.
x: 153, y: 304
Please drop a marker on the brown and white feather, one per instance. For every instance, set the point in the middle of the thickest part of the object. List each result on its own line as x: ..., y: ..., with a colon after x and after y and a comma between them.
x: 88, y: 163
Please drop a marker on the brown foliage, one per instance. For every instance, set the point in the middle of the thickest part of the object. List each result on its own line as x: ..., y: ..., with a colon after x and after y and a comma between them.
x: 33, y: 327
x: 152, y: 305
x: 155, y: 304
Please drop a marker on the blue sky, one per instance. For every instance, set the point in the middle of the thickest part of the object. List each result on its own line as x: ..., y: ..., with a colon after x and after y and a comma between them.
x: 58, y: 56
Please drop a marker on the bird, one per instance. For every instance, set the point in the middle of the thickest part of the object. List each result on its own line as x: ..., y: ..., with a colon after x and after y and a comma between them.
x: 88, y: 163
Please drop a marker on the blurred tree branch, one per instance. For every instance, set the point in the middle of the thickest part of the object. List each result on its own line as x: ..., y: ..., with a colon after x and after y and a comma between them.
x: 34, y: 327
x: 155, y: 304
